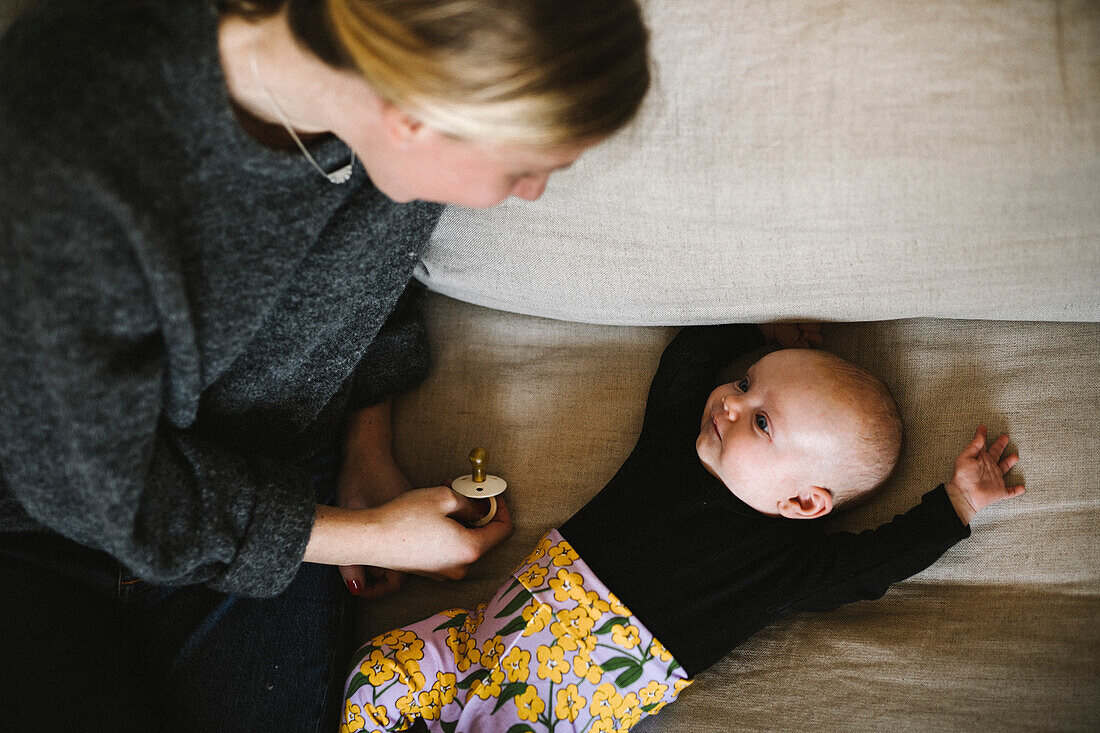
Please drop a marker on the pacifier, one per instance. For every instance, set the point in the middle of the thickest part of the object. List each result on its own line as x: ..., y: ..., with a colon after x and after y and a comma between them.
x: 480, y: 485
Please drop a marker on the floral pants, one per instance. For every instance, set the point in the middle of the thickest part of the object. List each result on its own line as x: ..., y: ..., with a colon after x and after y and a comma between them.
x: 554, y: 650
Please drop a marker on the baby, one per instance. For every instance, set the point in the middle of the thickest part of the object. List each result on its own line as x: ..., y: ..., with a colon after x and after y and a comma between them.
x: 688, y: 550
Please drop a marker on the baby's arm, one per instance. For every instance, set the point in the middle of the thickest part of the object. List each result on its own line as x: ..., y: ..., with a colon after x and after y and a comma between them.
x: 979, y: 478
x: 842, y: 567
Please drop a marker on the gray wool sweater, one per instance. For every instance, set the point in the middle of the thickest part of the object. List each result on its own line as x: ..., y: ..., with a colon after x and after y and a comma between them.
x: 186, y: 316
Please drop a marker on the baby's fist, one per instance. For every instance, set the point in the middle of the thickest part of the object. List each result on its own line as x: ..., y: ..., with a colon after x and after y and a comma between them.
x: 979, y: 478
x: 792, y: 335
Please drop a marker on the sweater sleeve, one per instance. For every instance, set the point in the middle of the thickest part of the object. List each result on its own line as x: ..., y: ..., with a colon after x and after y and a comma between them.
x: 842, y: 567
x: 98, y: 367
x: 398, y: 357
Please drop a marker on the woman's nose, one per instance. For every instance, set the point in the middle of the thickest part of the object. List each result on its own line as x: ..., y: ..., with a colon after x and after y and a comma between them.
x: 529, y: 189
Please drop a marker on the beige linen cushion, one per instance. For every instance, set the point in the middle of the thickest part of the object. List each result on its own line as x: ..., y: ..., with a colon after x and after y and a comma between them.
x: 842, y: 161
x: 1003, y: 633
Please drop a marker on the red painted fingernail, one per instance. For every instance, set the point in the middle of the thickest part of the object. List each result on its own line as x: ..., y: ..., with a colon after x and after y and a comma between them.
x: 353, y: 587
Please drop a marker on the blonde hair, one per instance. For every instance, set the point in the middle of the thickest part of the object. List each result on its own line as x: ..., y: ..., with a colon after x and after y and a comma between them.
x: 529, y: 72
x: 876, y: 446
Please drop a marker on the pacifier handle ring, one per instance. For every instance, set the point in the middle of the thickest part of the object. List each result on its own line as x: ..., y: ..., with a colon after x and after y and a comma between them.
x: 488, y: 517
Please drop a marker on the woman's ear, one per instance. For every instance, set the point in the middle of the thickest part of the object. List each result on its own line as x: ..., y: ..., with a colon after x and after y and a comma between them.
x: 809, y: 503
x: 400, y: 126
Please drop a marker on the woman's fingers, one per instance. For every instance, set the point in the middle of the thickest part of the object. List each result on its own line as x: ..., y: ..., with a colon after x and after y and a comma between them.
x: 467, y: 510
x: 382, y: 582
x: 355, y: 578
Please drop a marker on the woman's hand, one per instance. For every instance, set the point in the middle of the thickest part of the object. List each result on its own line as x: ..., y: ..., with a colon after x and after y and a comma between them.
x: 366, y: 483
x: 979, y: 476
x: 421, y: 531
x: 369, y: 477
x: 792, y: 335
x: 426, y: 533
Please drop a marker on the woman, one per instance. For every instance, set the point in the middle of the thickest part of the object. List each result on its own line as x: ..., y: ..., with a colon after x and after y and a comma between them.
x: 209, y: 218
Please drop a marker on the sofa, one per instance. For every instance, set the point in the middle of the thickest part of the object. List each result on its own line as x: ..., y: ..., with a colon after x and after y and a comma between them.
x: 924, y: 179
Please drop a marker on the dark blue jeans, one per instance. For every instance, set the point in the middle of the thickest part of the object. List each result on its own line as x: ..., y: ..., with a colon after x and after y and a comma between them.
x: 84, y: 645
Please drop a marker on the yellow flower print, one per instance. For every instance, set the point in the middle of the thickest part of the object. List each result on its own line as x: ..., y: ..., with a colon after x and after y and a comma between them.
x: 571, y: 626
x: 488, y: 687
x: 474, y: 619
x: 568, y: 585
x: 406, y: 645
x: 533, y: 577
x: 452, y: 612
x: 570, y: 703
x: 679, y: 685
x: 630, y: 719
x: 491, y: 651
x: 630, y: 711
x: 627, y: 636
x: 515, y: 665
x: 617, y: 606
x: 653, y: 692
x: 398, y: 637
x: 376, y: 714
x: 583, y: 666
x: 430, y: 709
x: 658, y: 650
x: 378, y: 668
x: 563, y: 554
x: 537, y: 615
x: 539, y: 551
x: 529, y: 705
x: 593, y: 602
x: 353, y: 719
x: 413, y: 677
x: 457, y: 639
x: 552, y: 664
x: 657, y: 708
x: 464, y: 648
x: 445, y: 686
x: 407, y: 706
x: 442, y: 694
x: 605, y: 700
x: 604, y: 725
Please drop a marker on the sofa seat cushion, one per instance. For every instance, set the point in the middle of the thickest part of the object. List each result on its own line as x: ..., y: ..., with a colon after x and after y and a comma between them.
x: 1001, y: 633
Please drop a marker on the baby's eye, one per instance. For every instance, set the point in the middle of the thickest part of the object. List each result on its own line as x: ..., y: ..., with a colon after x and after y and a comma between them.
x: 743, y: 385
x: 762, y: 422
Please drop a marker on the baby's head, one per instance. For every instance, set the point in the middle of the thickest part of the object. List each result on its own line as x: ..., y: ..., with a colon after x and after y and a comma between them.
x: 802, y: 433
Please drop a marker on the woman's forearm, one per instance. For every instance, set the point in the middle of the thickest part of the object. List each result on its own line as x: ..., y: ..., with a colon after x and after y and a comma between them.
x: 342, y: 536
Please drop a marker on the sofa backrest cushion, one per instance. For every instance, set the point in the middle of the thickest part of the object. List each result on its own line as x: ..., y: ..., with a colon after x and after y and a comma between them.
x: 820, y: 160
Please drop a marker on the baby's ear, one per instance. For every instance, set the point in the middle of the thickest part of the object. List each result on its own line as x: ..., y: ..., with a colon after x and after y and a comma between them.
x: 810, y: 503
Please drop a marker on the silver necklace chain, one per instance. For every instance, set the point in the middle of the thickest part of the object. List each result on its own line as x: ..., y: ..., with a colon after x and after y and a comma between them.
x: 341, y: 174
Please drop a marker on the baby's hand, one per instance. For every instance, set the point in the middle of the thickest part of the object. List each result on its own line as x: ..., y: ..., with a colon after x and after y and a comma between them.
x: 789, y: 335
x: 979, y: 476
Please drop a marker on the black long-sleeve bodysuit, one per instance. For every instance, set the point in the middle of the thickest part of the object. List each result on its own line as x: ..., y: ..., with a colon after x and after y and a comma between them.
x: 664, y: 568
x: 701, y: 569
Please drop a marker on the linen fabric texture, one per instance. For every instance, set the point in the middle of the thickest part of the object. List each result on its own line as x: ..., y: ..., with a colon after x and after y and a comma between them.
x: 999, y: 627
x: 820, y: 161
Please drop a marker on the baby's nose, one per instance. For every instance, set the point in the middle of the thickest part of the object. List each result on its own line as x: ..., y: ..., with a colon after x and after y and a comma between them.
x: 731, y: 406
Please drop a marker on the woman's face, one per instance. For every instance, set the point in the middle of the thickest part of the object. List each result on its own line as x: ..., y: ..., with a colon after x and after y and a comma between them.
x: 412, y: 161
